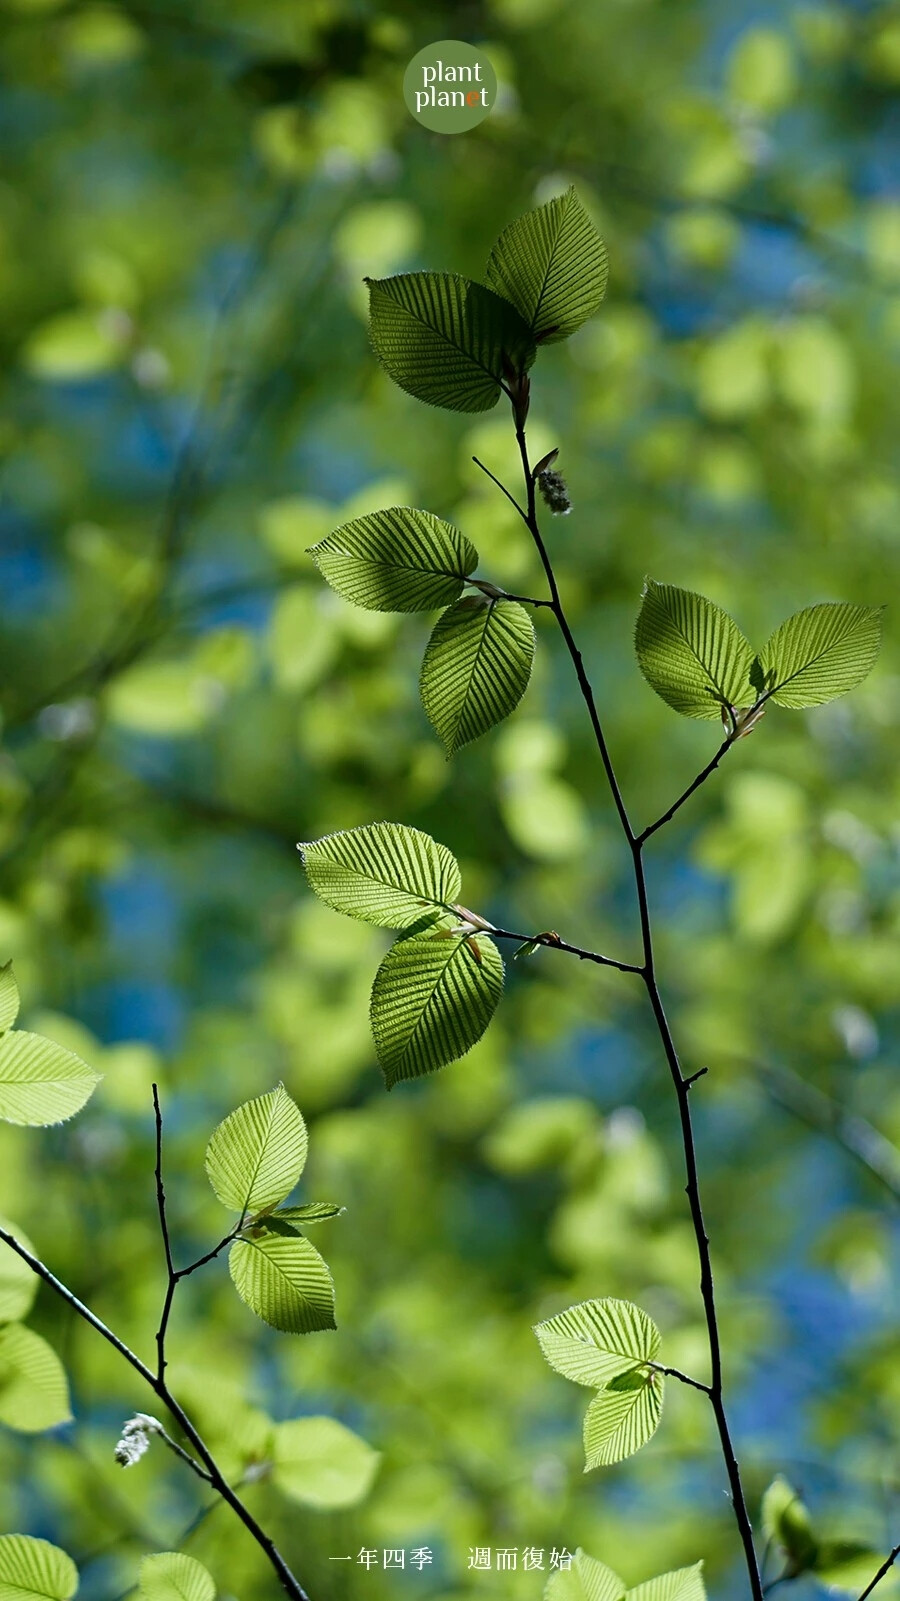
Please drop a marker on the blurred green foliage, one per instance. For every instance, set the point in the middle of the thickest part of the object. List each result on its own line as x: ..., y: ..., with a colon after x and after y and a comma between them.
x: 189, y: 199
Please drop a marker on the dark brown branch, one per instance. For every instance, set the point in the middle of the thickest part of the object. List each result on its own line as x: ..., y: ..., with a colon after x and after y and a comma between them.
x: 681, y: 1083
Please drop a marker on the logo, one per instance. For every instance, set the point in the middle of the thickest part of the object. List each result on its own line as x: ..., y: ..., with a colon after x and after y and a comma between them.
x: 450, y: 86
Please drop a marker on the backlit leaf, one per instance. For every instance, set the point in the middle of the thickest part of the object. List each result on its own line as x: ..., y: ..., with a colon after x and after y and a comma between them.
x: 821, y: 652
x: 34, y: 1394
x: 40, y: 1082
x: 383, y: 873
x: 683, y: 1584
x: 622, y: 1418
x: 446, y: 340
x: 396, y: 560
x: 34, y: 1570
x: 285, y: 1282
x: 586, y: 1580
x: 433, y: 997
x: 476, y: 667
x: 552, y: 265
x: 322, y: 1464
x: 595, y: 1341
x: 786, y: 1520
x: 691, y: 652
x: 173, y: 1576
x: 256, y: 1156
x: 294, y: 1219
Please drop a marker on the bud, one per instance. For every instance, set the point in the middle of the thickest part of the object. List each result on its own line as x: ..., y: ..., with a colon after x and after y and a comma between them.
x: 554, y: 493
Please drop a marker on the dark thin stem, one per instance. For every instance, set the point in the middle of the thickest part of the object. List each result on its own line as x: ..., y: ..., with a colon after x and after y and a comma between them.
x: 577, y: 662
x: 681, y: 1083
x: 174, y: 1275
x: 553, y: 942
x: 886, y: 1566
x: 185, y: 1456
x: 683, y: 1378
x: 213, y: 1474
x: 171, y: 1275
x: 494, y: 593
x: 503, y: 489
x: 701, y: 778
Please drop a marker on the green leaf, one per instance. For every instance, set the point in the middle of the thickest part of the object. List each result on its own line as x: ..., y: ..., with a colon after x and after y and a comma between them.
x: 786, y: 1520
x: 384, y: 873
x: 18, y: 1285
x: 172, y: 1576
x: 9, y: 998
x: 256, y: 1156
x: 34, y: 1394
x: 446, y: 340
x: 293, y: 1219
x: 322, y: 1464
x: 396, y: 560
x: 622, y: 1418
x: 595, y: 1341
x: 552, y: 265
x: 684, y: 1584
x: 691, y: 652
x: 285, y: 1282
x: 820, y: 653
x: 433, y: 997
x: 476, y: 667
x: 34, y: 1570
x: 586, y: 1580
x: 40, y: 1081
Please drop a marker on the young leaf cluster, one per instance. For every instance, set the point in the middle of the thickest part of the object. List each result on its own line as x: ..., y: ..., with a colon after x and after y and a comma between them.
x: 610, y: 1346
x: 697, y: 660
x: 839, y: 1564
x: 454, y: 343
x: 478, y: 660
x: 590, y: 1580
x: 254, y: 1159
x: 439, y: 984
x: 457, y: 344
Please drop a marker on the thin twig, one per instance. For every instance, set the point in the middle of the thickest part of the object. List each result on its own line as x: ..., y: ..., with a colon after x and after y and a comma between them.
x: 886, y: 1566
x: 503, y: 490
x: 701, y: 778
x: 213, y: 1474
x: 553, y: 942
x: 683, y: 1378
x: 174, y: 1275
x: 681, y: 1083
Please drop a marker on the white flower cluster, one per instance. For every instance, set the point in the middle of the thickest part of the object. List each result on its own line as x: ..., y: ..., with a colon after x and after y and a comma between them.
x: 136, y: 1438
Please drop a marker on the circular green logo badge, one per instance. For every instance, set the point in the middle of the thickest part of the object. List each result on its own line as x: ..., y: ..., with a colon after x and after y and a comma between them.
x: 450, y: 86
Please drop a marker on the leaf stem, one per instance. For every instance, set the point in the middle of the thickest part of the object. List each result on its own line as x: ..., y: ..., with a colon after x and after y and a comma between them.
x: 553, y: 942
x: 683, y: 1378
x: 681, y: 1083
